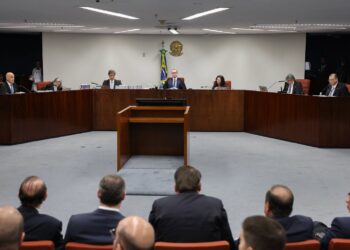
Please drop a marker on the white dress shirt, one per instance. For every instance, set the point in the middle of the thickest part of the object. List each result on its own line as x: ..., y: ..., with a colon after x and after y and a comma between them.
x: 109, y: 208
x: 331, y: 93
x: 290, y: 88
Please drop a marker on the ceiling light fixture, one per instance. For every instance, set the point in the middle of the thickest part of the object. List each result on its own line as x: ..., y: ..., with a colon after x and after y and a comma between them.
x: 173, y: 31
x: 111, y: 13
x: 219, y: 31
x: 124, y: 31
x: 205, y: 13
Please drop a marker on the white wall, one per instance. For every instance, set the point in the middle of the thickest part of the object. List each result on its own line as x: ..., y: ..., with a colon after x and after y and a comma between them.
x: 247, y: 60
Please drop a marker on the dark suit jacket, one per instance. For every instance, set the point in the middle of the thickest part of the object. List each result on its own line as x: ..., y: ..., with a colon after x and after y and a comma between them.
x: 190, y: 217
x: 92, y: 228
x: 41, y: 227
x: 340, y: 90
x: 5, y: 89
x: 297, y: 227
x: 297, y: 88
x: 340, y: 228
x: 105, y: 83
x: 180, y: 84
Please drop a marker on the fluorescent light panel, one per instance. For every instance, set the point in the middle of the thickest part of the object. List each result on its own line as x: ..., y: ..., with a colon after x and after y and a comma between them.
x: 111, y: 13
x: 173, y: 31
x: 205, y: 13
x: 124, y: 31
x: 219, y: 31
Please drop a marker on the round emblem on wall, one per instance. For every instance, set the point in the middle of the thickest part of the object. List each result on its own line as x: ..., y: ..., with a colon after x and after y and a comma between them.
x: 176, y: 48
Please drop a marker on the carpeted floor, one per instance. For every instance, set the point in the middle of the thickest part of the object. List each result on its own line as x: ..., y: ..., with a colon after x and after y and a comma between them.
x: 236, y: 167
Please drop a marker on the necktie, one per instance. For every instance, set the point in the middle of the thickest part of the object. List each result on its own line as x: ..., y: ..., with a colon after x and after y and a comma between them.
x: 174, y: 83
x: 11, y: 87
x: 331, y: 92
x: 290, y: 89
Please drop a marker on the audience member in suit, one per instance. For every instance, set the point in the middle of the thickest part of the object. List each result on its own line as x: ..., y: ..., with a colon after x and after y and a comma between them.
x: 340, y: 228
x: 111, y: 82
x: 95, y: 227
x: 279, y: 205
x: 174, y: 82
x: 261, y: 233
x: 134, y: 233
x: 9, y: 86
x: 32, y: 193
x: 292, y: 87
x: 189, y: 216
x: 219, y: 82
x: 335, y: 88
x: 11, y: 228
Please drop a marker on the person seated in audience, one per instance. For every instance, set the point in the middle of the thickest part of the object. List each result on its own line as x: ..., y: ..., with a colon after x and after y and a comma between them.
x: 279, y: 206
x: 134, y: 233
x: 32, y: 193
x: 111, y: 82
x: 219, y: 83
x: 340, y: 228
x: 292, y: 87
x: 95, y: 227
x: 189, y: 216
x: 335, y: 88
x: 11, y: 228
x: 174, y: 82
x: 261, y: 233
x: 9, y: 86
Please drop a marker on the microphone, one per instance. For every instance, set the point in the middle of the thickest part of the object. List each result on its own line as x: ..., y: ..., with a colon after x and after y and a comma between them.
x: 97, y: 85
x: 24, y: 88
x: 273, y: 84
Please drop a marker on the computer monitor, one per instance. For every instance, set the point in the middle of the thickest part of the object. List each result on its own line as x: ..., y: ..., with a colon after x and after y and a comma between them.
x: 160, y: 102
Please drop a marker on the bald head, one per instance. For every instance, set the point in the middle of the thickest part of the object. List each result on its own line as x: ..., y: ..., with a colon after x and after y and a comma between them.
x: 10, y: 77
x: 134, y: 233
x: 32, y: 191
x: 11, y: 228
x: 279, y: 201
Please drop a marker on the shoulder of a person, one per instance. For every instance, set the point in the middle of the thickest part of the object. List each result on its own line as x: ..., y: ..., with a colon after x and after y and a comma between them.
x: 50, y: 218
x: 302, y: 218
x: 341, y: 220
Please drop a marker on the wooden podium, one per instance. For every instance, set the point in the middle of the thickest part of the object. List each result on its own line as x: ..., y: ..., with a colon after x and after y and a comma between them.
x: 152, y: 130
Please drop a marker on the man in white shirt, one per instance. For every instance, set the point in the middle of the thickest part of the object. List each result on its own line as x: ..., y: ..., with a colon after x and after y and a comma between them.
x: 37, y: 75
x: 9, y: 87
x: 111, y: 82
x: 96, y: 227
x: 175, y: 82
x: 336, y: 88
x: 291, y: 86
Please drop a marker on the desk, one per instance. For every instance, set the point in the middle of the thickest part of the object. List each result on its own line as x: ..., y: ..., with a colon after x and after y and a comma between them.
x: 146, y: 130
x: 314, y: 121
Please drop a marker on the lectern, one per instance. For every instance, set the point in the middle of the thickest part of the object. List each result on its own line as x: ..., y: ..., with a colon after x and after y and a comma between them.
x: 152, y: 130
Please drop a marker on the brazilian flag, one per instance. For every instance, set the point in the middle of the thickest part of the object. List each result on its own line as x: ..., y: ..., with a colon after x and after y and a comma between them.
x: 163, y: 66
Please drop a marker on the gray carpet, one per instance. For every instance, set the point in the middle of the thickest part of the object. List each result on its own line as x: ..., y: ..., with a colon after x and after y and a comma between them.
x: 236, y: 167
x: 150, y: 175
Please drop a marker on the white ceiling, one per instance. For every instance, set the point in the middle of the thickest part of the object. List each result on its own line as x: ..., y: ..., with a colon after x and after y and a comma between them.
x: 35, y: 15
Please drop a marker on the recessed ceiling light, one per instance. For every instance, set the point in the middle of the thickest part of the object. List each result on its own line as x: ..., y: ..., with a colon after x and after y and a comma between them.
x: 124, y: 31
x: 111, y: 13
x: 173, y: 31
x: 247, y: 29
x: 219, y: 31
x: 205, y: 13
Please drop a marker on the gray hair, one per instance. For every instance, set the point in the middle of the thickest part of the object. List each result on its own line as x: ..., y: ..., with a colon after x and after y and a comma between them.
x: 290, y: 77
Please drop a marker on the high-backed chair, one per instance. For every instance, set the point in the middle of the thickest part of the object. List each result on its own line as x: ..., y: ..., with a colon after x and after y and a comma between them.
x: 305, y: 83
x: 37, y: 245
x: 80, y: 246
x: 348, y: 86
x: 339, y: 244
x: 303, y: 245
x: 228, y: 84
x: 215, y: 245
x: 42, y: 85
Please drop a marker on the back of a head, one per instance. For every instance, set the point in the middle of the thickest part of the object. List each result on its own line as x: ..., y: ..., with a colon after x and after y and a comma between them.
x: 280, y: 201
x: 290, y: 77
x: 262, y: 233
x: 32, y: 191
x: 134, y: 233
x: 187, y: 179
x: 11, y: 228
x: 111, y: 190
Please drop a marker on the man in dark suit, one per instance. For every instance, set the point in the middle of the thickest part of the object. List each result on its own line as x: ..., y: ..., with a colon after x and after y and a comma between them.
x: 174, y: 82
x: 189, y: 216
x: 340, y: 228
x: 335, y: 88
x: 111, y: 82
x: 279, y: 205
x: 9, y: 87
x: 259, y: 232
x: 11, y: 228
x: 292, y: 87
x: 95, y: 227
x: 32, y: 193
